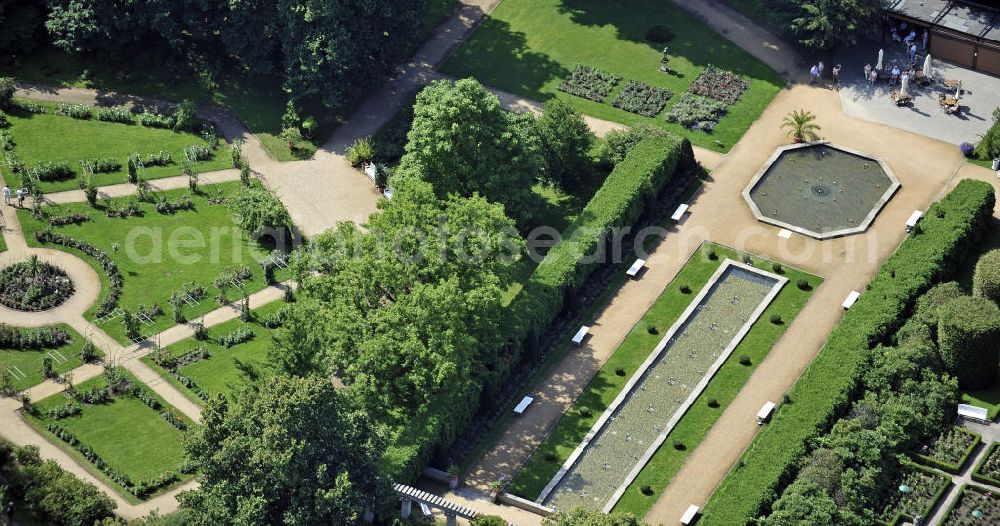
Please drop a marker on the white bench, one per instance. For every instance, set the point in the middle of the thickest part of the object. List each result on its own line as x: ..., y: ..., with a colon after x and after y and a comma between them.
x: 633, y: 271
x: 851, y: 298
x: 975, y: 413
x: 679, y: 213
x: 525, y: 402
x: 912, y: 221
x: 765, y: 412
x: 426, y: 512
x: 690, y: 514
x: 581, y: 334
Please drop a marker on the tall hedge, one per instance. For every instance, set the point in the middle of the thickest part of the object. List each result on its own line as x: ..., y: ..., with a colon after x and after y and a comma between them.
x: 948, y: 231
x: 986, y: 280
x: 633, y: 184
x: 969, y: 340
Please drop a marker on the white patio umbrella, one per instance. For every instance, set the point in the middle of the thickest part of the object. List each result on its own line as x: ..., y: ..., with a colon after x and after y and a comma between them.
x: 958, y: 91
x: 878, y: 65
x: 904, y: 83
x: 927, y: 66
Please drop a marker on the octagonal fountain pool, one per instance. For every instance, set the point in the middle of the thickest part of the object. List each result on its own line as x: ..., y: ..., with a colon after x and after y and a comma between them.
x: 820, y: 190
x: 627, y: 435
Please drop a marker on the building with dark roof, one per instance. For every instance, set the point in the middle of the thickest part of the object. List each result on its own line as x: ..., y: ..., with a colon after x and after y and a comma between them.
x: 964, y: 33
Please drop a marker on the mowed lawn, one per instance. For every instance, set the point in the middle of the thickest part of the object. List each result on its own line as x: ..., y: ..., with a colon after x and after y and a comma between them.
x: 129, y: 435
x: 694, y: 425
x: 528, y: 46
x: 25, y: 366
x: 50, y: 137
x: 227, y: 370
x: 159, y: 253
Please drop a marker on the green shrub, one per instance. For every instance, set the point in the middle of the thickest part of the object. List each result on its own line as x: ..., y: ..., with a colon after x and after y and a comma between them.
x: 685, y: 289
x: 968, y: 332
x: 617, y: 143
x: 986, y: 280
x: 776, y: 319
x: 803, y: 284
x: 488, y: 520
x: 7, y: 89
x: 53, y: 171
x: 76, y: 111
x: 826, y: 387
x: 713, y: 403
x: 745, y: 361
x: 361, y: 151
x: 777, y: 268
x: 929, y: 303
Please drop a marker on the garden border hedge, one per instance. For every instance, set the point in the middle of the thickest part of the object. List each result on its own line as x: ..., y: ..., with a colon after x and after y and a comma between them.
x: 979, y: 477
x: 633, y: 185
x: 949, y: 229
x: 954, y: 469
x: 900, y: 517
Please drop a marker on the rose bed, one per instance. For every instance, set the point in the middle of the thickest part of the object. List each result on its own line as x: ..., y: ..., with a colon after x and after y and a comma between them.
x: 33, y: 286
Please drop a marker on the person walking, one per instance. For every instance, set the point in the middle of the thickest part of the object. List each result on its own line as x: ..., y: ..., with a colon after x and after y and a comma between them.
x: 821, y: 68
x: 8, y: 513
x: 836, y: 76
x: 6, y: 195
x: 21, y: 193
x: 924, y: 38
x: 913, y: 53
x: 868, y: 72
x: 873, y: 78
x: 813, y: 74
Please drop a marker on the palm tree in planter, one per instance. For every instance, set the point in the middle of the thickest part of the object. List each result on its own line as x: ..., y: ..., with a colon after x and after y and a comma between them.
x: 801, y: 126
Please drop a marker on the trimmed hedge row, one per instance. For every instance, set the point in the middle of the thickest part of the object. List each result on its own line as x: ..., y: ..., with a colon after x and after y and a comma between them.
x: 634, y: 183
x: 948, y: 467
x: 977, y: 473
x: 946, y: 234
x: 620, y: 202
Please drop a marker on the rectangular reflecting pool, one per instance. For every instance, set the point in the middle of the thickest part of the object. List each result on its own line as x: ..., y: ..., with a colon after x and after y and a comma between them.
x: 664, y: 387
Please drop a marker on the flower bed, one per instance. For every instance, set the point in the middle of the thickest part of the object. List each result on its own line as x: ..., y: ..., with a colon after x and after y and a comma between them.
x: 110, y: 302
x: 724, y: 86
x: 949, y: 450
x: 639, y: 97
x: 589, y: 83
x: 975, y: 506
x: 924, y: 488
x: 697, y: 113
x: 34, y: 285
x: 988, y: 471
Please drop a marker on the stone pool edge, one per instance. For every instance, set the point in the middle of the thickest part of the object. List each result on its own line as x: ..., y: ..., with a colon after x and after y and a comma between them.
x: 865, y: 224
x: 726, y: 264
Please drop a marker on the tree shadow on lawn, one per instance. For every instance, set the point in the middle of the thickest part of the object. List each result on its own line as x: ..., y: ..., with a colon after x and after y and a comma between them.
x: 499, y: 57
x: 693, y: 40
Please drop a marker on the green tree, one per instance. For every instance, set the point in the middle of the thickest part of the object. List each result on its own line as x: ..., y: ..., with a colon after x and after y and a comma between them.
x: 463, y: 142
x: 829, y: 24
x: 254, y: 209
x: 930, y: 302
x: 566, y: 142
x: 21, y: 20
x: 804, y: 504
x: 585, y: 517
x: 293, y: 451
x: 968, y: 332
x: 986, y: 280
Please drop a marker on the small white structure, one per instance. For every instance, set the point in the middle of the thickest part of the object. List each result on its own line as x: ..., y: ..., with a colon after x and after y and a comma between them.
x: 974, y: 413
x: 765, y: 412
x: 690, y: 514
x: 851, y: 298
x: 370, y: 171
x: 523, y: 405
x: 785, y: 233
x: 633, y: 271
x: 388, y: 192
x: 425, y: 511
x: 679, y: 213
x: 581, y: 334
x: 912, y: 221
